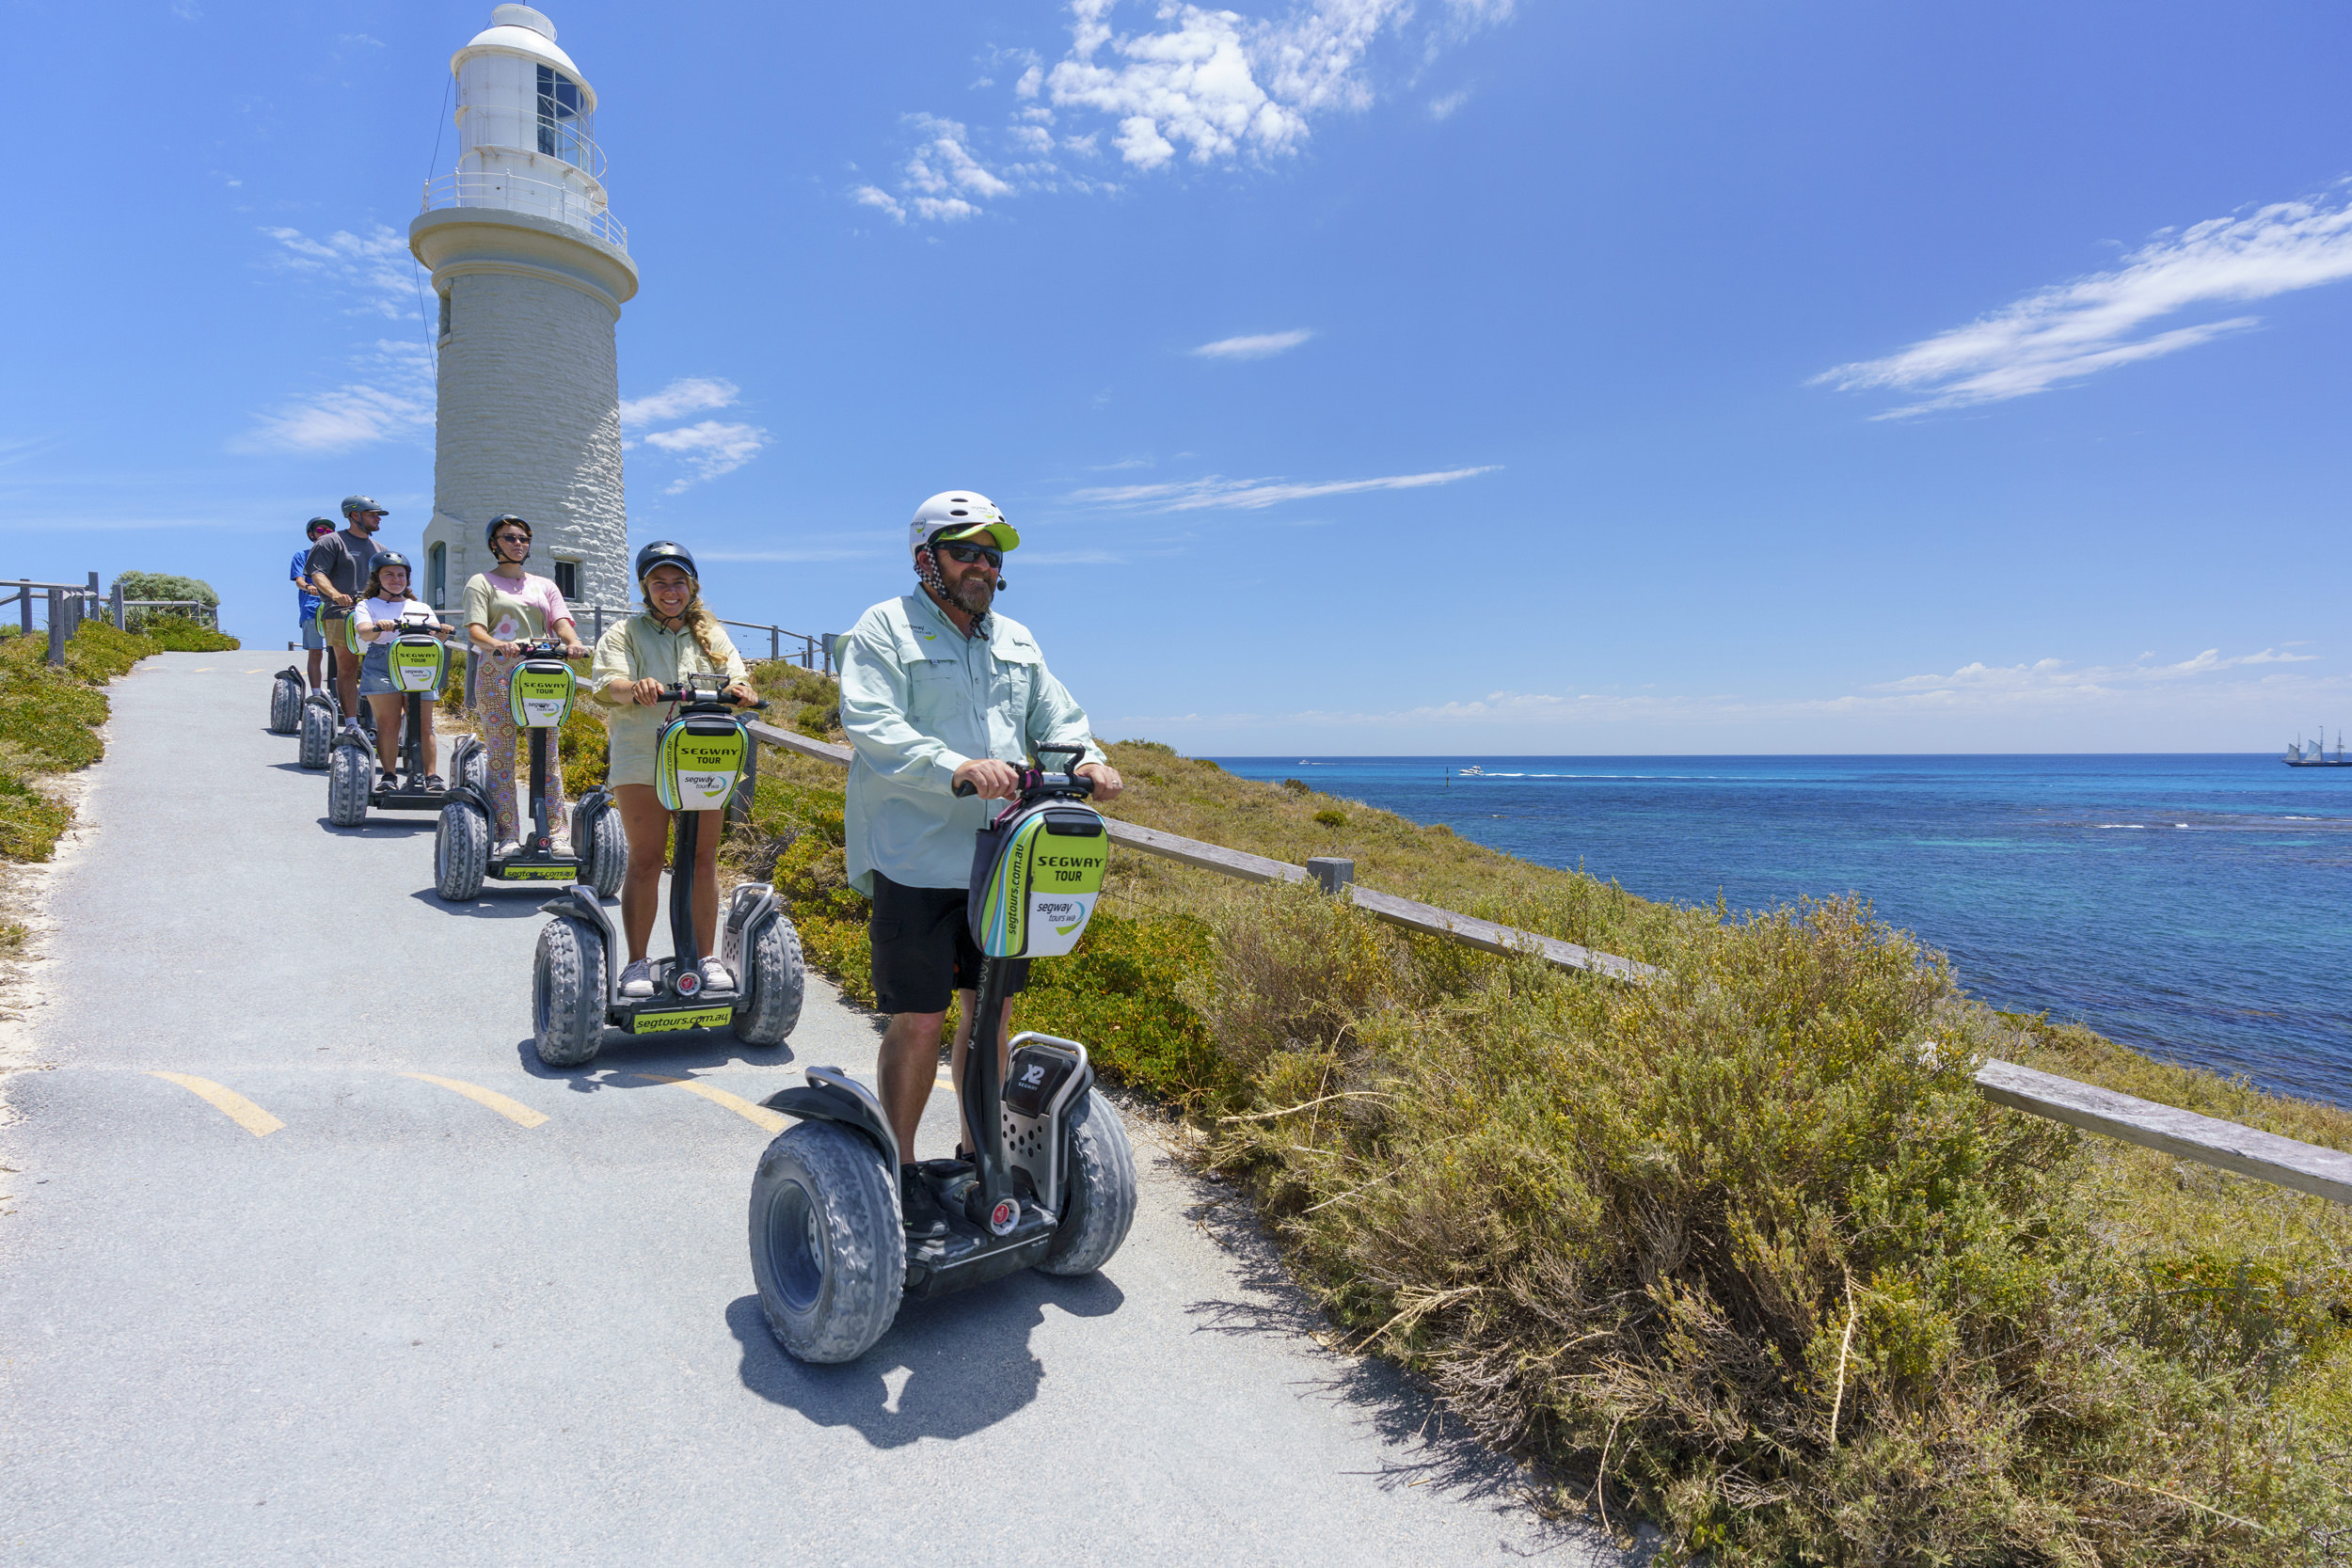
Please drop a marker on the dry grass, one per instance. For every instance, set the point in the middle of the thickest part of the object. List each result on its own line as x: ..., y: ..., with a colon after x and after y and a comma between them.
x: 1735, y: 1252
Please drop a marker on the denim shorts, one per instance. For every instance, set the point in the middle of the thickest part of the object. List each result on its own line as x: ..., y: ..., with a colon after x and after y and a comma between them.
x: 375, y: 674
x: 311, y: 638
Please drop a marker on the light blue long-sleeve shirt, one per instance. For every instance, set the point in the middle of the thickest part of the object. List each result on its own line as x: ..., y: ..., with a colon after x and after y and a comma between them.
x: 919, y: 700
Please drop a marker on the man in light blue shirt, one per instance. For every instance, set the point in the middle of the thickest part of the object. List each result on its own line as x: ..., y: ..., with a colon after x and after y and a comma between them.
x: 938, y: 689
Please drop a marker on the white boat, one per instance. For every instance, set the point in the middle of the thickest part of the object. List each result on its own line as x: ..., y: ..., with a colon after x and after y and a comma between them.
x: 1472, y: 772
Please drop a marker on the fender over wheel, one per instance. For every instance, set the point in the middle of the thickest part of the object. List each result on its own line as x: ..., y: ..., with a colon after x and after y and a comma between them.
x: 775, y: 981
x: 567, y: 993
x: 829, y: 1254
x: 1099, y: 1192
x: 461, y: 851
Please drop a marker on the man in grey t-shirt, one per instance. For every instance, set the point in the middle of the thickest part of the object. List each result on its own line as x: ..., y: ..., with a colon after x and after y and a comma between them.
x: 339, y: 570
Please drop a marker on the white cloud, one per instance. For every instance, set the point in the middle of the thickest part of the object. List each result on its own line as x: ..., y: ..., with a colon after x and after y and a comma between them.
x: 1442, y: 108
x: 1251, y: 495
x: 376, y: 266
x: 1263, y: 346
x: 688, y: 395
x: 393, y: 402
x: 1213, y: 85
x: 710, y: 448
x: 2071, y: 330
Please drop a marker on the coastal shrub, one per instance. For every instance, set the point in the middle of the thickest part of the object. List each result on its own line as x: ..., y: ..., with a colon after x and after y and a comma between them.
x: 181, y: 635
x: 49, y: 720
x: 1739, y: 1251
x: 1332, y: 818
x: 163, y: 585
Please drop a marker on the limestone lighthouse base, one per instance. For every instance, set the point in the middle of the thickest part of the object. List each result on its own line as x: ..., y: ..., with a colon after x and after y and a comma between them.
x: 529, y: 418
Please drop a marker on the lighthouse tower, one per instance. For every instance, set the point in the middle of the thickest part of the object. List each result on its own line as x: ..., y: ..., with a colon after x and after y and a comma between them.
x: 532, y: 273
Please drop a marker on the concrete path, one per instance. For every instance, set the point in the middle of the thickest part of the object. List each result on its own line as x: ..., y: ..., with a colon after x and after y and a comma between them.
x: 312, y: 1263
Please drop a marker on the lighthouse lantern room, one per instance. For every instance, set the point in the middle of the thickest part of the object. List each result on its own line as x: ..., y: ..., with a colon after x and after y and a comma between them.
x: 532, y: 271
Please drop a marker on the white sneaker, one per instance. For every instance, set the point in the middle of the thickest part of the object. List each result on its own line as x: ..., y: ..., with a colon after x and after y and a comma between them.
x: 506, y: 849
x: 637, y: 979
x: 715, y: 975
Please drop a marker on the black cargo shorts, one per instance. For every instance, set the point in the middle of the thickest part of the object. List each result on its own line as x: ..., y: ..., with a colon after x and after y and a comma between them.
x: 923, y: 948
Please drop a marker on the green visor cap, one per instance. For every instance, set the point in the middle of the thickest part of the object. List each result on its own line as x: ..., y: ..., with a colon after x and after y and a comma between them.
x: 1001, y: 534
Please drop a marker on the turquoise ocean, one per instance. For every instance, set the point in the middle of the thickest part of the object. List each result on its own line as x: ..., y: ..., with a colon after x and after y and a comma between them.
x: 2195, y: 907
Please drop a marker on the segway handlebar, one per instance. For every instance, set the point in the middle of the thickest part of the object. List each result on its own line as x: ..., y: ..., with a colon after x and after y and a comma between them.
x: 1039, y: 782
x: 695, y: 695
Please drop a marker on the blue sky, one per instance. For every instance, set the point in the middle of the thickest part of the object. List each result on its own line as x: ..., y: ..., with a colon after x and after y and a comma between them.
x: 1366, y: 377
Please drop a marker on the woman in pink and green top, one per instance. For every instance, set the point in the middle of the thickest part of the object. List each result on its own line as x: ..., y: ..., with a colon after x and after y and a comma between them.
x: 505, y: 608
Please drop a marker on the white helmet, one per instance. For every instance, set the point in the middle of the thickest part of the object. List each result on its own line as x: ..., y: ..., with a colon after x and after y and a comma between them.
x: 967, y: 514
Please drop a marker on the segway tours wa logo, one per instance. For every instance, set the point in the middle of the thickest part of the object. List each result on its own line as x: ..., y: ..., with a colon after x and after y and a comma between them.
x: 541, y: 698
x: 701, y: 769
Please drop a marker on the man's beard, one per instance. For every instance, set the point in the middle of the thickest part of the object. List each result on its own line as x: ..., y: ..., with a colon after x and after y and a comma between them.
x: 973, y: 592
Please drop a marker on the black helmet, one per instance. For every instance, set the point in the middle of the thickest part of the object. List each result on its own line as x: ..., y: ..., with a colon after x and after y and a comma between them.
x: 317, y: 524
x: 384, y: 560
x: 490, y: 528
x: 666, y: 552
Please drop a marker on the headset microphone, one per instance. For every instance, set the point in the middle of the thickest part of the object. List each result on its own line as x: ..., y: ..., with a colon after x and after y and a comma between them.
x: 1002, y: 585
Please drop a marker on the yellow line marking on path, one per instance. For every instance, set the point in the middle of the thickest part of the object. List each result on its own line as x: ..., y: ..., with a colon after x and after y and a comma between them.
x: 758, y: 1114
x: 236, y: 1107
x: 257, y: 672
x: 513, y: 1110
x: 205, y: 671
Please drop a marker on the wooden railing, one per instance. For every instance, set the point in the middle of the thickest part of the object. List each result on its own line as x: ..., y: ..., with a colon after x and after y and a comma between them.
x: 2305, y: 1167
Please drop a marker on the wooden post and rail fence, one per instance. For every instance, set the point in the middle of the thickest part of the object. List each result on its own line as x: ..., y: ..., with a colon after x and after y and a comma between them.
x: 70, y: 604
x: 2265, y: 1156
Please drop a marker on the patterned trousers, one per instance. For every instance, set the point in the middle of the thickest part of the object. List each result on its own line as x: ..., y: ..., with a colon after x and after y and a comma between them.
x: 509, y: 753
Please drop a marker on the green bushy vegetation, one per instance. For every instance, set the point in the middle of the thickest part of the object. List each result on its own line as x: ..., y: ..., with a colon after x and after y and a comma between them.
x: 167, y: 585
x: 1742, y: 1251
x: 49, y: 718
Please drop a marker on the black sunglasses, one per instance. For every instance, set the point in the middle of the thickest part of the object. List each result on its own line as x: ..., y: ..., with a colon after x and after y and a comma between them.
x: 970, y: 553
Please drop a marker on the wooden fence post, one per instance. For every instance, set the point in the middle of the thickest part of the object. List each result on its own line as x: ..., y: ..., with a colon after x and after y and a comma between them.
x: 114, y: 603
x: 1331, y: 873
x: 56, y: 626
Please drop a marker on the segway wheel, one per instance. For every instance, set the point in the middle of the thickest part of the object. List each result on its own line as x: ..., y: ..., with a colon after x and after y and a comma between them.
x: 475, y: 771
x: 348, y: 775
x: 607, y: 852
x: 1099, y: 1194
x: 318, y: 734
x: 828, y: 1251
x: 285, y: 706
x: 777, y: 982
x: 567, y: 993
x: 461, y: 852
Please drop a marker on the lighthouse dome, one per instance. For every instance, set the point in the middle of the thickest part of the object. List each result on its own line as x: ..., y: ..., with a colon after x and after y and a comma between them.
x: 518, y: 31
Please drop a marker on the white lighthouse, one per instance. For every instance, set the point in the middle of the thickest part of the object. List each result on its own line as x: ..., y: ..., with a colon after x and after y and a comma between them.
x: 532, y: 273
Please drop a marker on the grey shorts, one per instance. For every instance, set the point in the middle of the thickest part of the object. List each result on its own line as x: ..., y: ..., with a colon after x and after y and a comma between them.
x: 311, y: 638
x: 375, y: 674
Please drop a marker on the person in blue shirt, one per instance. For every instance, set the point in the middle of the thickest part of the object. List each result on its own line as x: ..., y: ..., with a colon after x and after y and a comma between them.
x: 316, y: 528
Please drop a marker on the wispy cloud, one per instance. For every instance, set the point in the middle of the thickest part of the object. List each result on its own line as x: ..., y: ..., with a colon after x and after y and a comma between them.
x: 688, y: 395
x: 1210, y: 87
x: 708, y: 448
x: 1263, y: 346
x: 375, y: 267
x: 1252, y: 495
x: 392, y: 401
x: 1443, y: 108
x: 2048, y: 688
x: 2071, y: 330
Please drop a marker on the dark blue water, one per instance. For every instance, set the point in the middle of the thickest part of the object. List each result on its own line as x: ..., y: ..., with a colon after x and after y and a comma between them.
x: 2198, y: 907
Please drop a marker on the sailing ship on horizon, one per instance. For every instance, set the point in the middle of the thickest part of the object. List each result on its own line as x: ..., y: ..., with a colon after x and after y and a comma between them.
x: 2314, y: 755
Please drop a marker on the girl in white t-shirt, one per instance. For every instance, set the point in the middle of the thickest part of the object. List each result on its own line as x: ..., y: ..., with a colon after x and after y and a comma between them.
x: 376, y: 619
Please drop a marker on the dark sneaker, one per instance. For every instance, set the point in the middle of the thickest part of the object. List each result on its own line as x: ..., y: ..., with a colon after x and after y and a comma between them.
x: 924, y: 1217
x: 432, y: 784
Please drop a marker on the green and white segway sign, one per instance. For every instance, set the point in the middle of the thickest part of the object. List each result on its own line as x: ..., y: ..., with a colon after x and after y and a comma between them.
x: 1044, y: 872
x: 539, y: 697
x: 418, y: 664
x: 696, y: 762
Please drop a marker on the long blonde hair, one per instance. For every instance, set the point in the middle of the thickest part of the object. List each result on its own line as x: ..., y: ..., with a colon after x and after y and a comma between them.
x: 703, y: 624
